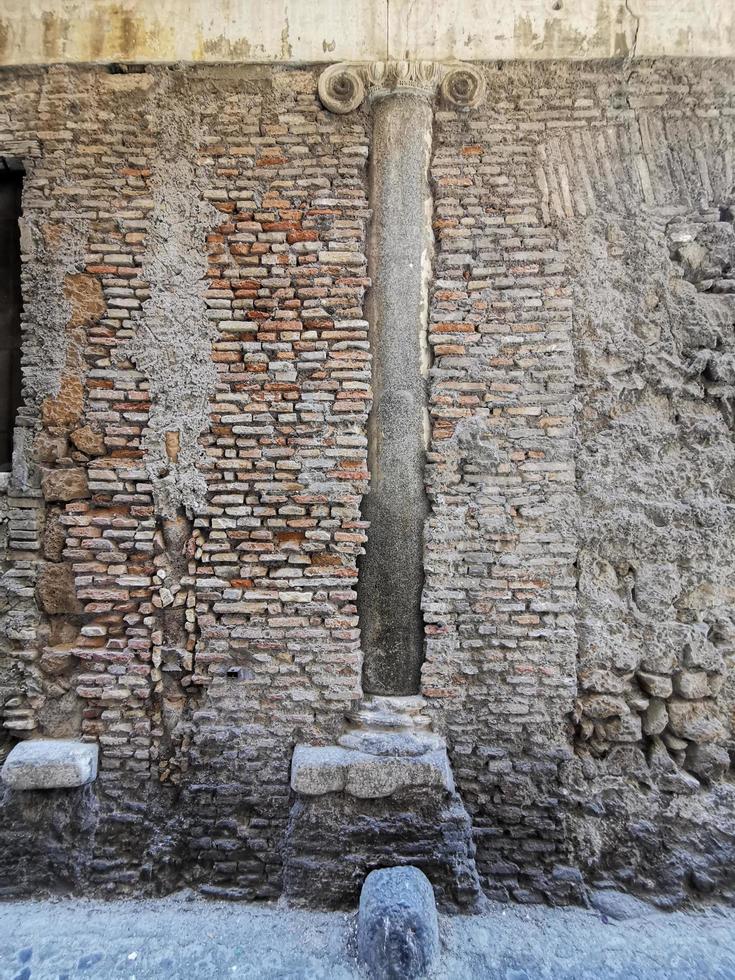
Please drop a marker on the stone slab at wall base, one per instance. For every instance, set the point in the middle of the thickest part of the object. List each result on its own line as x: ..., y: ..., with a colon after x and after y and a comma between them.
x: 50, y: 764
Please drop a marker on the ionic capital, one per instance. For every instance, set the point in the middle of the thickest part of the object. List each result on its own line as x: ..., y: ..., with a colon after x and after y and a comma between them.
x: 343, y: 87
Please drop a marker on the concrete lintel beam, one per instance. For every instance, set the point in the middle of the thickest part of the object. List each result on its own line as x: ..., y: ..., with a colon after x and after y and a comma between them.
x: 307, y: 31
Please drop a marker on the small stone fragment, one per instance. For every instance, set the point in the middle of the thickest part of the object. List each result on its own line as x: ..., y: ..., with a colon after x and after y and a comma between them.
x: 55, y: 660
x: 655, y: 685
x: 48, y: 447
x: 695, y: 721
x: 680, y: 782
x: 172, y: 440
x: 700, y: 654
x: 625, y: 729
x: 55, y: 589
x: 602, y: 682
x: 655, y: 717
x: 54, y: 538
x: 397, y: 925
x: 166, y: 596
x: 603, y: 706
x: 673, y: 742
x: 88, y: 441
x: 618, y: 905
x: 692, y: 684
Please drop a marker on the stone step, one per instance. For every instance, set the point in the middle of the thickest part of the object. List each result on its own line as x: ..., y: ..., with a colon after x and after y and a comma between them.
x: 389, y: 713
x: 394, y: 742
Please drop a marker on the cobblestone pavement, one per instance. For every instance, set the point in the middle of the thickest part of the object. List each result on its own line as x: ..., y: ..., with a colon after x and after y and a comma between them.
x: 196, y: 940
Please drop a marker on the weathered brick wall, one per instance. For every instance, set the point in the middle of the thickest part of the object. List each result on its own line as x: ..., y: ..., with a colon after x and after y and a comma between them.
x: 184, y: 523
x: 499, y: 593
x: 582, y: 329
x: 194, y: 281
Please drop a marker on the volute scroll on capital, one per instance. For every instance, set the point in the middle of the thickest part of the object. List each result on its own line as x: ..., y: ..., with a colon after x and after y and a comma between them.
x: 344, y: 86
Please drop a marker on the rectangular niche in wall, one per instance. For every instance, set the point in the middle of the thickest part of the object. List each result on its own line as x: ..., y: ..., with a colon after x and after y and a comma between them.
x: 11, y: 184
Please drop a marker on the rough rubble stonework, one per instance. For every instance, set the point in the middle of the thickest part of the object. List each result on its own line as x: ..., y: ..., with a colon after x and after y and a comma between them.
x: 203, y: 230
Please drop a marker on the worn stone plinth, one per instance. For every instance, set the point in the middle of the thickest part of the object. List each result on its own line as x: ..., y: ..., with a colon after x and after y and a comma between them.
x: 333, y: 769
x: 383, y: 797
x: 333, y: 841
x: 397, y: 925
x: 51, y: 764
x: 47, y: 840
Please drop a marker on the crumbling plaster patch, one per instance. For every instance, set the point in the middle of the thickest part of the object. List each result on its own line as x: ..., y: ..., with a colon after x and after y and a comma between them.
x: 655, y: 469
x: 53, y: 337
x: 172, y: 343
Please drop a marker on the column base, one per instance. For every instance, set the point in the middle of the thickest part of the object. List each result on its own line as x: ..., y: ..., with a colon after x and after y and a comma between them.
x: 383, y: 796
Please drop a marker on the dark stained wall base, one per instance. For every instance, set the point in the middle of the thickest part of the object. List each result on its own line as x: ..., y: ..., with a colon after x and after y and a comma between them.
x: 334, y: 841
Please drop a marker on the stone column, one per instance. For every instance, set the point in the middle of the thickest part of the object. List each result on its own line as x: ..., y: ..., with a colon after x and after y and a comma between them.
x: 384, y: 793
x: 399, y: 261
x: 399, y: 256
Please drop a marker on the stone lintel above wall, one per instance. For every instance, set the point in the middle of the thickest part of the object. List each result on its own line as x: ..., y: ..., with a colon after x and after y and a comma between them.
x: 50, y: 764
x: 302, y: 31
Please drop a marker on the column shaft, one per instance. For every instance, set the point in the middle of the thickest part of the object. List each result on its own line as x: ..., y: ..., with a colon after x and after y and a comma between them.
x: 400, y: 249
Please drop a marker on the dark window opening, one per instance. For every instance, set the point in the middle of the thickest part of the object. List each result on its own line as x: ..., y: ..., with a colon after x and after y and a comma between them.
x: 11, y: 185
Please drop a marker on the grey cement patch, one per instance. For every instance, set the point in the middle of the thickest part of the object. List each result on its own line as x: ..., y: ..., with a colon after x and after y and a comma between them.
x: 175, y: 938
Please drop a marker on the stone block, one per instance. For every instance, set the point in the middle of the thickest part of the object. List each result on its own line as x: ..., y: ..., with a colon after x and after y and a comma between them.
x: 56, y: 660
x: 692, y: 684
x: 599, y: 706
x: 392, y: 743
x: 618, y: 905
x: 65, y: 485
x: 88, y: 441
x: 65, y: 408
x: 54, y: 538
x: 655, y: 685
x: 397, y: 925
x: 48, y: 447
x: 85, y: 296
x: 655, y: 717
x: 625, y: 729
x: 708, y: 762
x: 50, y: 764
x: 55, y: 589
x: 371, y: 777
x: 695, y: 721
x: 316, y: 770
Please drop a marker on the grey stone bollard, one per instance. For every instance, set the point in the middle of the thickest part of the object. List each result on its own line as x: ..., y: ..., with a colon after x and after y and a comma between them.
x: 397, y: 926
